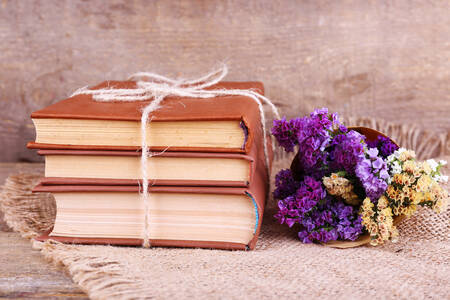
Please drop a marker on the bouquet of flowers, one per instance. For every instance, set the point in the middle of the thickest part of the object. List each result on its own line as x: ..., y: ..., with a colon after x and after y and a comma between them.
x: 348, y: 184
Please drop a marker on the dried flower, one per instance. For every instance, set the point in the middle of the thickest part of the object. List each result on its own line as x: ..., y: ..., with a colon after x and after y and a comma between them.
x: 335, y: 169
x: 417, y: 184
x: 378, y: 220
x: 384, y: 145
x: 285, y: 184
x: 321, y: 218
x: 341, y: 187
x: 372, y: 171
x: 347, y: 152
x: 312, y: 135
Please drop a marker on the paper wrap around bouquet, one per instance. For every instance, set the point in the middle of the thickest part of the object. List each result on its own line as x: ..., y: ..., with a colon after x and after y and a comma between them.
x: 371, y: 135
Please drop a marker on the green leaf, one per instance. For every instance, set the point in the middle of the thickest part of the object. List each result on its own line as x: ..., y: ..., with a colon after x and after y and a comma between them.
x: 341, y: 173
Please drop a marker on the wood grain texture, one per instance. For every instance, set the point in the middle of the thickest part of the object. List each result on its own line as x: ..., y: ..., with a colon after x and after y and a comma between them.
x: 24, y: 273
x: 385, y: 59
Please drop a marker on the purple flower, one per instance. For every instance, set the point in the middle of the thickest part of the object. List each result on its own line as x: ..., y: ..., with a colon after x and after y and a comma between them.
x: 320, y: 217
x: 290, y: 222
x: 384, y: 174
x: 348, y: 223
x: 331, y: 221
x: 364, y: 169
x: 347, y: 152
x: 312, y: 134
x: 372, y: 172
x: 285, y: 184
x: 283, y: 209
x: 295, y: 206
x: 343, y: 129
x: 372, y: 152
x: 303, y: 235
x: 286, y: 133
x: 325, y: 146
x: 319, y: 112
x: 384, y: 145
x: 309, y: 194
x: 378, y: 163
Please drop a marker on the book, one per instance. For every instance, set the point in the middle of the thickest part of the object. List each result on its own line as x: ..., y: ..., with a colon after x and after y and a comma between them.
x: 77, y: 167
x: 220, y: 124
x: 208, y: 217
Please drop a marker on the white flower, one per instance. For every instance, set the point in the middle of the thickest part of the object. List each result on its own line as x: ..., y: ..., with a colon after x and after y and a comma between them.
x: 396, y: 168
x: 433, y: 164
x: 399, y: 152
x: 441, y: 178
x: 390, y: 158
x: 442, y: 162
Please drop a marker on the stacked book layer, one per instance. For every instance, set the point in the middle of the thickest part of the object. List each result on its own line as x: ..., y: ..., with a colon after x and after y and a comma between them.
x: 207, y: 173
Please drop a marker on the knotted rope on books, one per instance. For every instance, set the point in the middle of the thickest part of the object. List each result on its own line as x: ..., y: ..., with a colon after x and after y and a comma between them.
x: 158, y: 88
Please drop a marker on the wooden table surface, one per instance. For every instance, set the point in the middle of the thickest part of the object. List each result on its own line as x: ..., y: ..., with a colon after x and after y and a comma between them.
x: 24, y: 273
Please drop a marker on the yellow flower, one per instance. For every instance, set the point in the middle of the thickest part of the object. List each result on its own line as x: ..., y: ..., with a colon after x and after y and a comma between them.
x: 380, y: 240
x: 409, y: 210
x: 373, y: 230
x: 416, y: 197
x: 409, y: 166
x: 385, y: 234
x: 341, y: 187
x: 407, y: 192
x: 408, y: 179
x: 440, y: 205
x: 382, y: 202
x: 428, y: 197
x: 426, y: 168
x: 437, y: 191
x: 396, y: 211
x: 407, y: 155
x: 373, y: 242
x: 399, y: 197
x: 417, y: 173
x: 386, y: 212
x: 402, y: 179
x: 367, y: 204
x: 423, y: 183
x: 367, y: 213
x: 398, y: 178
x: 390, y: 191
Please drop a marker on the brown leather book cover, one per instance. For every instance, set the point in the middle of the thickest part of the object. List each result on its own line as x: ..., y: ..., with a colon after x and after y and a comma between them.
x: 257, y: 190
x: 239, y: 108
x: 105, y: 181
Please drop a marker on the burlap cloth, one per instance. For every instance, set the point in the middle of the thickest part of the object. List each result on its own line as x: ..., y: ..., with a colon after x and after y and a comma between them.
x: 416, y: 267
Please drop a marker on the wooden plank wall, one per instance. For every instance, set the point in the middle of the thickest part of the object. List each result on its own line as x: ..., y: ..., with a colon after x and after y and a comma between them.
x: 385, y: 59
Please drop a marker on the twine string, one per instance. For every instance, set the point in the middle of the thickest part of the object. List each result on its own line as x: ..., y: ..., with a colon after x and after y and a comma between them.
x: 157, y: 87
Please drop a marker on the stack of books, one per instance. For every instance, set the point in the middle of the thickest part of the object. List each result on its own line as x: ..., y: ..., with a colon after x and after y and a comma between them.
x: 207, y: 173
